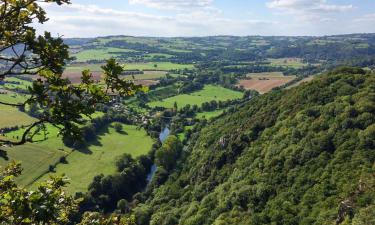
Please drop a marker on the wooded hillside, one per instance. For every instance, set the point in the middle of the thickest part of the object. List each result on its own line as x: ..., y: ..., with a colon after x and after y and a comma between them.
x: 299, y: 156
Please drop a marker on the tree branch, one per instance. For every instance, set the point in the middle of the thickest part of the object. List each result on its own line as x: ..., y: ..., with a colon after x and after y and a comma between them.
x: 24, y: 138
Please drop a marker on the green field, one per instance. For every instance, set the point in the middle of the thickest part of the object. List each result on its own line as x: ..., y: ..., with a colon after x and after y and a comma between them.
x: 23, y: 84
x: 36, y: 157
x: 99, y: 158
x: 11, y: 116
x: 148, y: 75
x: 209, y: 115
x: 82, y: 164
x: 209, y: 93
x: 100, y: 54
x: 287, y: 62
x: 164, y: 66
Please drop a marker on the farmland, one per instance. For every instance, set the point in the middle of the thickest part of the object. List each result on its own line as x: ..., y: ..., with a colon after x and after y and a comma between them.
x: 11, y: 116
x: 209, y: 93
x: 147, y: 75
x: 287, y: 62
x: 98, y: 157
x: 209, y: 115
x: 264, y: 82
x: 158, y: 66
x: 100, y: 54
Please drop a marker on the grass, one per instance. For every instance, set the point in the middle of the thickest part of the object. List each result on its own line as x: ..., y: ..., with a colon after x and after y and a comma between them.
x: 99, y: 158
x: 10, y: 116
x: 36, y: 157
x: 287, y: 62
x: 82, y: 66
x: 209, y: 93
x: 22, y: 83
x: 148, y: 75
x: 209, y: 115
x: 164, y: 66
x: 100, y: 54
x: 158, y: 55
x: 84, y: 164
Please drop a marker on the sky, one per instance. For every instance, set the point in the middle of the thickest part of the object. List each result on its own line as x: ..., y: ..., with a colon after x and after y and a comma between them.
x: 176, y: 18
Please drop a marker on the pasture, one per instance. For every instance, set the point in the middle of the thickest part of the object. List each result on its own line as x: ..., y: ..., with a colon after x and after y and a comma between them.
x: 209, y: 93
x: 287, y: 62
x: 100, y: 54
x: 17, y: 83
x: 82, y: 164
x: 10, y: 116
x: 209, y: 115
x: 148, y: 75
x: 160, y: 66
x: 163, y: 66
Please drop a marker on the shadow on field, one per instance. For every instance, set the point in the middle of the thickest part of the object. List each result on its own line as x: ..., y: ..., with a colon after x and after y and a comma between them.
x: 96, y: 142
x: 4, y: 155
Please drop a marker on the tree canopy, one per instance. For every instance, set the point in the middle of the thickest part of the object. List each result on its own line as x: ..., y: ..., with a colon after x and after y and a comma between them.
x: 44, y: 57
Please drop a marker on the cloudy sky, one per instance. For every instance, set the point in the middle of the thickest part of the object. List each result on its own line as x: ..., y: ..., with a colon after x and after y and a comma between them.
x: 92, y: 18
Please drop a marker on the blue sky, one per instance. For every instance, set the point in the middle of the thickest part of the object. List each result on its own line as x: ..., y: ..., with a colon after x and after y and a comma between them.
x: 92, y: 18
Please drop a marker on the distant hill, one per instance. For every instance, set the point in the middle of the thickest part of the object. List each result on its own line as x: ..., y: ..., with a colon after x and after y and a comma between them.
x: 223, y: 48
x: 299, y: 156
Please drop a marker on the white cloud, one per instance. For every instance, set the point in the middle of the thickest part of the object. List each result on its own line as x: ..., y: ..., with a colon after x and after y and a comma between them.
x: 308, y: 11
x: 366, y: 18
x: 307, y: 5
x: 287, y: 17
x: 173, y: 4
x: 78, y: 20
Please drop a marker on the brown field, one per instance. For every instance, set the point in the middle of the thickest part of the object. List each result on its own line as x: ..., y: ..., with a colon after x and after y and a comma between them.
x: 146, y: 82
x: 266, y: 74
x: 264, y: 82
x: 75, y: 77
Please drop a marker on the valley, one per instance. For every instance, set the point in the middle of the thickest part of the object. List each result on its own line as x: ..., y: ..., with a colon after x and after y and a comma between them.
x: 239, y: 122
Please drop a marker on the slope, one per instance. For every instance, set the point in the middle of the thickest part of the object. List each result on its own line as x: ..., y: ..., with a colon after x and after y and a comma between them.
x: 299, y: 156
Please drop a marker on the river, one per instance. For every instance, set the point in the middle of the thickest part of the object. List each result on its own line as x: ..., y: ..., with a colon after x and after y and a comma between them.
x: 162, y: 137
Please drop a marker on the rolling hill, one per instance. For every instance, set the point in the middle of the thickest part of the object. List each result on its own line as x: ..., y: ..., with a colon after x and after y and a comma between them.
x: 299, y: 156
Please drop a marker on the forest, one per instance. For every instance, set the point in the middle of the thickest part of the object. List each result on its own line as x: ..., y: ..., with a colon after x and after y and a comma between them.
x: 222, y: 129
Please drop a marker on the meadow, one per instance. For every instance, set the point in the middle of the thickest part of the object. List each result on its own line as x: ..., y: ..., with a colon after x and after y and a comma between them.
x: 295, y: 63
x: 148, y: 75
x: 209, y: 93
x: 21, y: 84
x: 209, y: 115
x: 161, y: 66
x: 102, y: 53
x: 10, y: 116
x: 82, y: 164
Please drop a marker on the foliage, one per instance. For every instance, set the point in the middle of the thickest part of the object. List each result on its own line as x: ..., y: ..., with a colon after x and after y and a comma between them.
x: 94, y: 218
x: 169, y: 152
x: 58, y: 102
x: 106, y: 192
x: 298, y: 156
x: 47, y: 205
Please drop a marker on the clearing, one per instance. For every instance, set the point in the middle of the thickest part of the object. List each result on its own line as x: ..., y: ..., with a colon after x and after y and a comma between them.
x: 209, y: 93
x: 83, y: 164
